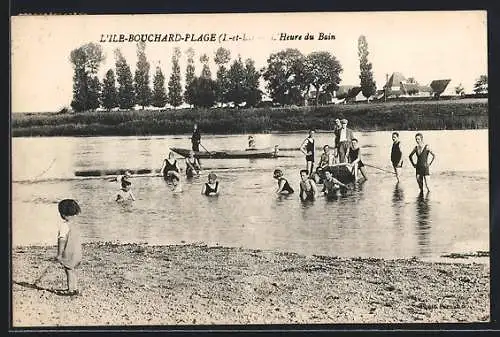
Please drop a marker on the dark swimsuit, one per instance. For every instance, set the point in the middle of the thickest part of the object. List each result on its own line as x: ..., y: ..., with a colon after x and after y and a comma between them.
x: 396, y: 155
x: 353, y: 155
x: 286, y: 187
x: 189, y: 170
x: 209, y: 190
x: 310, y: 148
x: 422, y: 167
x: 309, y: 193
x: 170, y: 167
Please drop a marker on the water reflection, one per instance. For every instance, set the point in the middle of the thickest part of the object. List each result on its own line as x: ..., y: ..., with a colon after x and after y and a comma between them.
x: 397, y: 205
x: 423, y: 223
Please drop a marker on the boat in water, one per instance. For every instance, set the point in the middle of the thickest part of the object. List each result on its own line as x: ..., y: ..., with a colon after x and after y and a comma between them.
x: 271, y: 152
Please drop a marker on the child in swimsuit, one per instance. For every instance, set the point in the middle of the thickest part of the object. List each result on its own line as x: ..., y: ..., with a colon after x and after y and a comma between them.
x: 193, y: 166
x: 170, y: 168
x: 422, y: 151
x: 119, y: 178
x: 283, y: 185
x: 69, y: 246
x: 354, y: 157
x: 331, y: 186
x: 212, y: 186
x: 396, y: 155
x: 125, y: 194
x: 308, y: 189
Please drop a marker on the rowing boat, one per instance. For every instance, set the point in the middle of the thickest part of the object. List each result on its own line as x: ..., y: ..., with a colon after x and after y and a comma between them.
x: 342, y: 172
x: 230, y: 154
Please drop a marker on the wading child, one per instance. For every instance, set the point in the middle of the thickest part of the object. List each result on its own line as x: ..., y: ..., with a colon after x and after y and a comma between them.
x: 396, y: 155
x: 327, y: 159
x: 354, y: 157
x: 283, y: 185
x: 331, y: 186
x: 422, y: 151
x: 193, y: 166
x: 308, y: 189
x: 170, y: 168
x: 212, y: 186
x: 308, y: 149
x: 69, y: 246
x: 125, y: 194
x: 119, y: 178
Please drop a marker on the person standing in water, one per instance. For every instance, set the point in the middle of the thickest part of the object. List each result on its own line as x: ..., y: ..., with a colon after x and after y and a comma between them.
x: 196, y: 138
x: 422, y: 152
x: 345, y: 138
x: 396, y: 155
x: 354, y: 159
x: 212, y: 186
x: 308, y: 149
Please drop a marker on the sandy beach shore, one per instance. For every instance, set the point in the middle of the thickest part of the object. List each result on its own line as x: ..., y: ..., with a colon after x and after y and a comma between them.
x: 134, y: 284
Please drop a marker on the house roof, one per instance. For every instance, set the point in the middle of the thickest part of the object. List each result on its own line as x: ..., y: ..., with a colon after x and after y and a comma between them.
x: 344, y: 89
x: 439, y: 85
x: 395, y: 80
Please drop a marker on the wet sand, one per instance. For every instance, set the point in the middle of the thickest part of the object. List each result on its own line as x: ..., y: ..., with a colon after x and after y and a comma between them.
x: 133, y: 284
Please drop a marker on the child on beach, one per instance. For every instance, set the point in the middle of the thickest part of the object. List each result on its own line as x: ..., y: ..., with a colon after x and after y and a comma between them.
x: 125, y: 194
x: 193, y: 166
x: 212, y: 186
x: 396, y: 155
x: 69, y: 246
x: 422, y: 152
x: 308, y: 189
x: 283, y: 185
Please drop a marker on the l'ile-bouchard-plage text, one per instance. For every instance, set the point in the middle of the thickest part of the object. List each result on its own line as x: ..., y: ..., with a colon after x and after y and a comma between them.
x: 211, y: 37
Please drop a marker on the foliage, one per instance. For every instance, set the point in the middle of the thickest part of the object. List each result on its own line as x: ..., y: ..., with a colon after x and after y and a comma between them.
x: 159, y: 98
x: 253, y: 95
x: 285, y: 76
x: 190, y: 69
x: 86, y: 60
x: 109, y: 95
x: 481, y: 85
x: 236, y: 82
x: 142, y: 89
x: 205, y: 71
x: 174, y: 83
x: 222, y: 57
x: 202, y: 92
x: 368, y: 86
x: 322, y: 71
x: 126, y: 94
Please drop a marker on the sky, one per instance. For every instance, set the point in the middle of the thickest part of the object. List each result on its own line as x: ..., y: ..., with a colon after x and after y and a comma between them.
x: 424, y: 45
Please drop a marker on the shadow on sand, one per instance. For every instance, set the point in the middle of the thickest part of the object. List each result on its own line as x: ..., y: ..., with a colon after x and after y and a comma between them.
x: 60, y: 292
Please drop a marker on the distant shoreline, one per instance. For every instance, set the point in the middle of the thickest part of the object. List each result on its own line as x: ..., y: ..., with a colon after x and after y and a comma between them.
x: 459, y: 114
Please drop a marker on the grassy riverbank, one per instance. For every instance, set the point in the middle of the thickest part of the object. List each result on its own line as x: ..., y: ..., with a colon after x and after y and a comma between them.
x: 131, y: 284
x: 426, y: 115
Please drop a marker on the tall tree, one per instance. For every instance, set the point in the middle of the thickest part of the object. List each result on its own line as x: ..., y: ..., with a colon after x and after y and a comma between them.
x: 109, y: 95
x: 481, y: 85
x: 174, y: 83
x: 141, y: 79
x: 253, y: 95
x: 236, y: 82
x: 86, y: 61
x: 285, y: 76
x: 126, y: 95
x: 205, y: 71
x: 322, y: 71
x: 159, y: 98
x: 202, y: 92
x: 368, y: 86
x: 222, y: 57
x: 190, y: 74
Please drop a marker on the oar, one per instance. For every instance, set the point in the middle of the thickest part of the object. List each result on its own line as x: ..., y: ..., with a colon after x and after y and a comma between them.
x: 378, y: 168
x: 211, y: 153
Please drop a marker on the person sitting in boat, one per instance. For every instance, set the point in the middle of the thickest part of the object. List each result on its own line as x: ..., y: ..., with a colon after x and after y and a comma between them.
x: 193, y: 166
x: 327, y: 159
x: 251, y: 143
x: 331, y: 186
x: 125, y: 194
x: 170, y: 168
x: 308, y: 189
x: 212, y: 186
x: 354, y: 159
x: 283, y: 185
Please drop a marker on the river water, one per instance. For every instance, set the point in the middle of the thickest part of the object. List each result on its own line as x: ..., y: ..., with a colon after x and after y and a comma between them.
x: 379, y: 219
